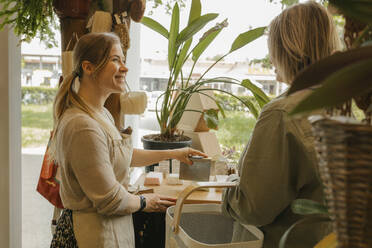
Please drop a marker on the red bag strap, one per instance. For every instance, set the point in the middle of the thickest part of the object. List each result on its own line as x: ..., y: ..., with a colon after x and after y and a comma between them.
x: 48, y: 167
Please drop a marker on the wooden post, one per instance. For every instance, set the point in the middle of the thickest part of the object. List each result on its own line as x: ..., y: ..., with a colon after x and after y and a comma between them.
x: 73, y: 18
x: 113, y: 102
x: 69, y: 26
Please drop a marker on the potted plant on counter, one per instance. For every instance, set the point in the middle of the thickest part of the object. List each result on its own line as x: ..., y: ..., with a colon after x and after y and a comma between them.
x: 181, y: 86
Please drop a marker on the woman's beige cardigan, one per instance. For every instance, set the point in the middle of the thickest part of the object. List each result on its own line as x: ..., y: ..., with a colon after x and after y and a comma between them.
x: 94, y: 180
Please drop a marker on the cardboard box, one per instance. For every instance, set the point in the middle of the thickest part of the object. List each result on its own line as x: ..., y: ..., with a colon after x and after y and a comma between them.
x: 205, y: 141
x: 194, y: 121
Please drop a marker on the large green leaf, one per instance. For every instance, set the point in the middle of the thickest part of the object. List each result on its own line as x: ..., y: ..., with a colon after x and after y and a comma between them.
x: 316, y: 73
x: 359, y: 9
x: 173, y: 33
x: 195, y: 10
x: 306, y: 206
x: 207, y: 39
x: 182, y: 57
x: 350, y: 81
x: 203, y: 44
x: 222, y: 111
x: 195, y: 27
x: 250, y: 107
x: 260, y: 96
x: 154, y: 25
x: 211, y: 118
x: 247, y: 37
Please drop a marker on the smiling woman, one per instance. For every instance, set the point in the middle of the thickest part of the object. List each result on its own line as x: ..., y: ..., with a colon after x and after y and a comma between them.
x: 94, y: 157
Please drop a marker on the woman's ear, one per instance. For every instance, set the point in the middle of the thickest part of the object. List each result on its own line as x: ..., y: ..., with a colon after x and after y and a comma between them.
x: 88, y: 68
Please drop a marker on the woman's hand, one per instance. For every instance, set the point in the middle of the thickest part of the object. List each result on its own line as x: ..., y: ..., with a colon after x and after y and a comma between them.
x: 184, y: 154
x: 157, y: 203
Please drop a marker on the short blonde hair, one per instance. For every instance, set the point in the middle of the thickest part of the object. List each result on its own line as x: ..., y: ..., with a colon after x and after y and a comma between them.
x: 299, y: 36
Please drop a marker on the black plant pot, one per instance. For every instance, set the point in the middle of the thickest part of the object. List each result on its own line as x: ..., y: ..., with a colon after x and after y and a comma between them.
x: 150, y: 144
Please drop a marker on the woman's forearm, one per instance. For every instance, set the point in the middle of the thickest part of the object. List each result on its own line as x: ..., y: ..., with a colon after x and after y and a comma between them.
x: 142, y: 157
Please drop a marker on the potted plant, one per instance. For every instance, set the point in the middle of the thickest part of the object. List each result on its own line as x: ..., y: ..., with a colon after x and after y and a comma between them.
x: 181, y: 86
x: 344, y: 146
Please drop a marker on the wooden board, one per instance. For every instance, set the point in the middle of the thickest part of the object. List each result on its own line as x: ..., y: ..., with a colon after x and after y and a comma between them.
x: 210, y: 196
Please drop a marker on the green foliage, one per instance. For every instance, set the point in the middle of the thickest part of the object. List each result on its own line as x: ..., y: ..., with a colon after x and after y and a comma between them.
x: 165, y: 4
x: 181, y: 87
x: 38, y: 95
x: 264, y: 62
x: 37, y: 116
x: 306, y: 207
x: 360, y: 10
x: 247, y: 37
x: 30, y: 19
x: 37, y: 122
x: 287, y: 3
x: 347, y: 73
x: 233, y: 133
x: 215, y: 57
x: 233, y: 104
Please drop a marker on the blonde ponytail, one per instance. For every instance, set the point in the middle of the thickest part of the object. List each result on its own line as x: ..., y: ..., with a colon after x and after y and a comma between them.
x: 62, y: 102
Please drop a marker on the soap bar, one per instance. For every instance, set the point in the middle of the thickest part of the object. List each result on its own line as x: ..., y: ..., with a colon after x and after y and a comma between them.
x: 173, y: 179
x: 153, y: 178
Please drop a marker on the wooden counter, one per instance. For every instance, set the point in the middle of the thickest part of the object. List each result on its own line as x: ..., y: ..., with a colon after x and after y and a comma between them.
x: 210, y: 196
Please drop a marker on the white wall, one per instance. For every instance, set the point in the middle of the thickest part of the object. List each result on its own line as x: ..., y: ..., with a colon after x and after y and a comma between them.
x: 10, y: 141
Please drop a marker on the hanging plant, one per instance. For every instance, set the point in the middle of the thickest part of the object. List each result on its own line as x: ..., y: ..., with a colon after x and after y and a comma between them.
x: 30, y: 19
x: 36, y: 19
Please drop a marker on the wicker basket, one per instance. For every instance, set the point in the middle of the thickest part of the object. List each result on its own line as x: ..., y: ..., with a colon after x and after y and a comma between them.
x: 345, y: 165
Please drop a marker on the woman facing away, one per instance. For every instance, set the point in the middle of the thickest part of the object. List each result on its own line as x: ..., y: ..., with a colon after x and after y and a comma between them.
x: 279, y: 162
x: 94, y: 157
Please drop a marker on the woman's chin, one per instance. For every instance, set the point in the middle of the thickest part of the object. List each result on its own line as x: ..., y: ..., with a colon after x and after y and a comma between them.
x: 119, y: 88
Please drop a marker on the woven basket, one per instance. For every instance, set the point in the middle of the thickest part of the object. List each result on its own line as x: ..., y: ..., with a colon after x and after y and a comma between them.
x: 345, y: 165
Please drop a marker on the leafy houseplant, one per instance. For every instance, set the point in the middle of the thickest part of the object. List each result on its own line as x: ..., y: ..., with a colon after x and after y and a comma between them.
x: 181, y: 87
x: 30, y: 19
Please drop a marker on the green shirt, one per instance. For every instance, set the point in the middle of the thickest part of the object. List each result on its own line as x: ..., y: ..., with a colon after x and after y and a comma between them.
x: 278, y: 165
